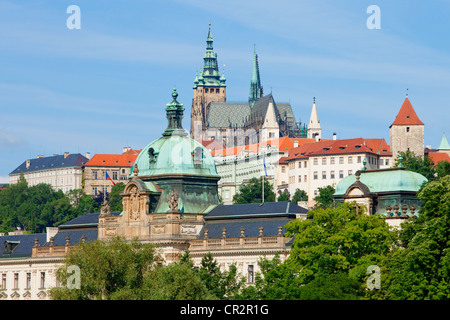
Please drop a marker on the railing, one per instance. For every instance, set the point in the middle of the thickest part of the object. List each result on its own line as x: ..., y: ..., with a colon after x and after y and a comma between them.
x: 240, y: 242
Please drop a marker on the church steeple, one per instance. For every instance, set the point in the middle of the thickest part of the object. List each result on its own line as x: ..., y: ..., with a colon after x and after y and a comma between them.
x: 210, y: 73
x: 256, y: 90
x: 314, y: 128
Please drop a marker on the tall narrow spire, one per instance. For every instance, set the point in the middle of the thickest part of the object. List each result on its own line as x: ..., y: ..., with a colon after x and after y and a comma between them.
x: 210, y: 71
x: 314, y: 123
x: 256, y: 90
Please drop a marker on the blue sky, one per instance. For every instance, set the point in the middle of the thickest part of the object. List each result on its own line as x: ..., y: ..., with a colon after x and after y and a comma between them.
x: 105, y: 86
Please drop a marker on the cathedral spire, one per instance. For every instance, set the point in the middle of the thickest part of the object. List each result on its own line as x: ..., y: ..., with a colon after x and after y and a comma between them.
x: 256, y: 90
x: 210, y: 71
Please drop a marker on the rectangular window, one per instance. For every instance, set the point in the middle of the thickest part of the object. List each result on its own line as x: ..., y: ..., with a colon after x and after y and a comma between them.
x: 332, y: 174
x: 305, y: 177
x: 350, y: 172
x: 42, y: 280
x: 305, y: 164
x: 324, y: 174
x: 283, y: 169
x: 299, y: 164
x: 341, y: 160
x: 251, y: 278
x: 341, y: 174
x: 94, y: 175
x: 315, y: 175
x: 114, y: 175
x: 299, y: 178
x: 332, y: 160
x: 359, y: 159
x: 324, y: 161
x: 3, y: 281
x: 387, y: 162
x: 16, y: 281
x: 350, y: 160
x: 28, y: 286
x: 316, y: 161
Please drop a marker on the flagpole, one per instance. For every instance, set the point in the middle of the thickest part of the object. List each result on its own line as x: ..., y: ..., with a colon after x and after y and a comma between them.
x: 263, y: 189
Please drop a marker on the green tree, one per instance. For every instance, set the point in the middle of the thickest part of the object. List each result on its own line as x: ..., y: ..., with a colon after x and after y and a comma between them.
x: 331, y: 252
x: 336, y: 240
x: 284, y: 196
x: 114, y: 269
x: 442, y: 168
x: 420, y: 268
x: 115, y: 199
x: 251, y: 192
x: 325, y: 197
x: 413, y: 162
x: 299, y: 195
x: 220, y: 284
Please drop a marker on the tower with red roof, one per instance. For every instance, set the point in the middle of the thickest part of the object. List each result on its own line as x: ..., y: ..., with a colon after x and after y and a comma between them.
x: 407, y: 131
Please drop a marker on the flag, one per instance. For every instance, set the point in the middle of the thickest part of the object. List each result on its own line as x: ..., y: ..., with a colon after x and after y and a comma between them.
x: 107, y: 177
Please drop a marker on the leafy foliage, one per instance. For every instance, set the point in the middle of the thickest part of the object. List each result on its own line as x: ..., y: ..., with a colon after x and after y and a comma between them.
x: 37, y: 207
x: 251, y: 192
x: 420, y: 269
x: 329, y: 257
x: 299, y: 195
x: 412, y: 162
x: 284, y: 196
x: 325, y: 197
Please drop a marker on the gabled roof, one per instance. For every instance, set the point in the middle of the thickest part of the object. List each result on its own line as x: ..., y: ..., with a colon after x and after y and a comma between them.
x: 251, y: 216
x: 283, y: 144
x: 438, y: 156
x: 407, y: 115
x: 24, y: 247
x: 253, y: 210
x: 336, y: 147
x: 126, y: 159
x: 53, y: 162
x: 227, y: 114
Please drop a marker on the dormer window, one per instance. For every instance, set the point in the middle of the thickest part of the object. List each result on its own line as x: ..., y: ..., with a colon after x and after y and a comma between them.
x: 9, y: 246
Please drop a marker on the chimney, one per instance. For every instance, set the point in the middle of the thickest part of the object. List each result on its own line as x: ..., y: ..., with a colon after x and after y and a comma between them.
x: 295, y: 143
x: 66, y: 154
x: 28, y: 163
x: 317, y: 137
x: 124, y: 149
x: 51, y: 232
x: 88, y: 155
x: 40, y: 156
x: 334, y: 136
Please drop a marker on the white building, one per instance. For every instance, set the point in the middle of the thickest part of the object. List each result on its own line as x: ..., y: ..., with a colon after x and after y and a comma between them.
x: 240, y: 164
x: 326, y: 162
x: 62, y: 172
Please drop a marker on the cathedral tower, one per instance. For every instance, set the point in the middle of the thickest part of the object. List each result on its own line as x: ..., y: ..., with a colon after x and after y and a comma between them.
x: 407, y: 131
x: 209, y: 86
x: 256, y: 90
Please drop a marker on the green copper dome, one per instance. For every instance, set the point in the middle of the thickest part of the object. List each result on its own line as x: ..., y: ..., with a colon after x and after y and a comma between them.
x: 174, y: 152
x: 387, y: 180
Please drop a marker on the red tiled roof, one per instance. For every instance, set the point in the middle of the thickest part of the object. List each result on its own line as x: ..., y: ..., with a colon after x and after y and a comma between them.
x: 344, y: 146
x: 438, y: 156
x: 283, y: 144
x: 113, y: 160
x: 407, y: 115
